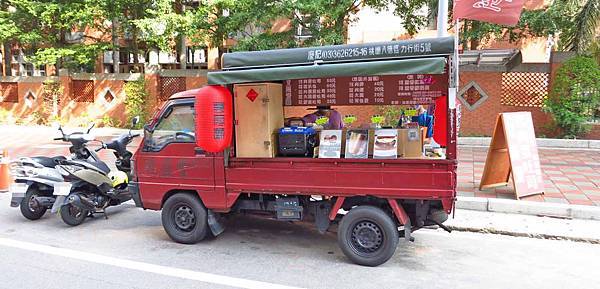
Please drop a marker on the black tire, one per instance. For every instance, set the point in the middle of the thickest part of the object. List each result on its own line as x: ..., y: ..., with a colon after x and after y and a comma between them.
x: 185, y: 219
x: 72, y: 215
x: 368, y: 236
x: 30, y: 209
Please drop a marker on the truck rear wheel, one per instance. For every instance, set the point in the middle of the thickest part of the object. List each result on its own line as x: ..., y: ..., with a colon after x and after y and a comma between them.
x: 368, y: 236
x: 185, y: 219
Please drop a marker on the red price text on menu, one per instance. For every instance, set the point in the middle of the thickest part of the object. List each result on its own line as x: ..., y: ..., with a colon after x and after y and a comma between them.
x: 408, y: 89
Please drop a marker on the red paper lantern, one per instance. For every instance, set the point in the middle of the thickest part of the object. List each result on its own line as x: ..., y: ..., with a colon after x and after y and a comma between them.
x: 214, y: 118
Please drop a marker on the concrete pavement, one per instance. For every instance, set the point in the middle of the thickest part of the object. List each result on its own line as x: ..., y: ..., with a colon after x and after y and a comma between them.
x: 278, y: 253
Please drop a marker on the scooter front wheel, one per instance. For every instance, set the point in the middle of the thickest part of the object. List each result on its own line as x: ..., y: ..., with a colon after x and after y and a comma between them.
x: 72, y: 215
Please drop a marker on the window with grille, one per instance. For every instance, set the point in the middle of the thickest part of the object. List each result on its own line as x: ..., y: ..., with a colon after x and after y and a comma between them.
x: 303, y: 28
x: 590, y: 108
x: 9, y: 92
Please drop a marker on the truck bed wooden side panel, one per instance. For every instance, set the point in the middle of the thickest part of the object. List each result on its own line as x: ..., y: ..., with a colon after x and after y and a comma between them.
x: 402, y: 178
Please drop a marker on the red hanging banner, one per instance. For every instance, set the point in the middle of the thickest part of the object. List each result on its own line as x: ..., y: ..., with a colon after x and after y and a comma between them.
x: 504, y: 12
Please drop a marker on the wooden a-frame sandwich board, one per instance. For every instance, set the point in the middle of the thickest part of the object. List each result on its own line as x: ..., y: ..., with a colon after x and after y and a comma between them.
x: 513, y: 152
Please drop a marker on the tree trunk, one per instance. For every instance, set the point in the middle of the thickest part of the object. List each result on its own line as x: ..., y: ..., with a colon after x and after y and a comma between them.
x: 134, y: 45
x: 115, y: 43
x: 182, y: 47
x: 474, y: 42
x: 7, y: 58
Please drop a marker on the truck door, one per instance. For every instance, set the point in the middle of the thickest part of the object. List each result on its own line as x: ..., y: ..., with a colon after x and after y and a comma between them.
x: 169, y: 159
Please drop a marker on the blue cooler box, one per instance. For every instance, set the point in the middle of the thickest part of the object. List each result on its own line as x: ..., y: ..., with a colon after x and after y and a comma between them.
x: 296, y: 141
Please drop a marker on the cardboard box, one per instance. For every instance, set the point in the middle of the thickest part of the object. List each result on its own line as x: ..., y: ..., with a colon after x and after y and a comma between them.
x: 410, y: 143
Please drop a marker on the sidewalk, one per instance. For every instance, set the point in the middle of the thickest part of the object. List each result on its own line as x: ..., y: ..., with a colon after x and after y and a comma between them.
x: 571, y: 176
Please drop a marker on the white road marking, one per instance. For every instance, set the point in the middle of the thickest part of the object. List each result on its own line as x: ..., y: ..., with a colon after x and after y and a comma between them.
x: 141, y: 266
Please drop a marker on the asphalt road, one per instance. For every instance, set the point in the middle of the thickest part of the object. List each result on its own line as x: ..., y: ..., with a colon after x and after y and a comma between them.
x: 131, y: 250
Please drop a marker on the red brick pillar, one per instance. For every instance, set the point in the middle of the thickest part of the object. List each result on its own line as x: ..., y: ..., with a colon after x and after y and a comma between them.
x: 65, y: 81
x: 152, y: 77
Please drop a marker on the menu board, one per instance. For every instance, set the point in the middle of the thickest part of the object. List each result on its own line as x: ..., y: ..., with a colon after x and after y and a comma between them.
x: 403, y: 89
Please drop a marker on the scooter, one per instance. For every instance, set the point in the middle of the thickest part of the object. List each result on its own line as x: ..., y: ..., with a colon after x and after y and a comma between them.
x: 36, y: 178
x: 92, y: 187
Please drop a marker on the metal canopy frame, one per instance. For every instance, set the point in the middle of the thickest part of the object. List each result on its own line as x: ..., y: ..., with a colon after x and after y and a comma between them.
x: 491, y: 57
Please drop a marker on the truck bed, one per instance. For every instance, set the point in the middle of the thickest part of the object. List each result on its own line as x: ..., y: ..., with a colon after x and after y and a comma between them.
x: 396, y: 178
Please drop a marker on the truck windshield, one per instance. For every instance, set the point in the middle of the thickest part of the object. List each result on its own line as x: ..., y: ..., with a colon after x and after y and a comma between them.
x: 176, y: 125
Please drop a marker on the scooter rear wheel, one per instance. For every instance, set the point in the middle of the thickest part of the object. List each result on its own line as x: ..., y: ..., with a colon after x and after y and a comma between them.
x: 30, y: 208
x: 72, y: 215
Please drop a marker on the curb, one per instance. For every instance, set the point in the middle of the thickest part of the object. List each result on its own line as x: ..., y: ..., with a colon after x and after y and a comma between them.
x: 528, y: 208
x: 522, y: 234
x: 541, y: 142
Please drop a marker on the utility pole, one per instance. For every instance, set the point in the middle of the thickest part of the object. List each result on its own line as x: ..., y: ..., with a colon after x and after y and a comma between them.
x: 442, y: 18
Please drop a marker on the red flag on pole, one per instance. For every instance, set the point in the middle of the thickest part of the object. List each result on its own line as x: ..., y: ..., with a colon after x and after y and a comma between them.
x: 505, y: 12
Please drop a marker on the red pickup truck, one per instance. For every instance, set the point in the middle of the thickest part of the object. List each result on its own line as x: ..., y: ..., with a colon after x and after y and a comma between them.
x: 373, y: 202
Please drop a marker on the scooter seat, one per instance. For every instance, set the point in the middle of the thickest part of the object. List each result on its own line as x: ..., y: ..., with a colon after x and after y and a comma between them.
x: 48, y: 162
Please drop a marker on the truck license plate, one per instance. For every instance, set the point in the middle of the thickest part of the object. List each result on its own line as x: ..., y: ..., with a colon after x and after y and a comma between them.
x: 62, y: 189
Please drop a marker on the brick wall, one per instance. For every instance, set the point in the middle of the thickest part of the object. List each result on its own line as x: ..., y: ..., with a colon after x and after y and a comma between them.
x: 108, y: 96
x: 480, y: 121
x: 477, y: 122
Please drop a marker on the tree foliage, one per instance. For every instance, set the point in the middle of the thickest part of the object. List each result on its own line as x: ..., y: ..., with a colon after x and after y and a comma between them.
x: 135, y: 101
x: 575, y: 95
x: 40, y: 27
x: 580, y: 34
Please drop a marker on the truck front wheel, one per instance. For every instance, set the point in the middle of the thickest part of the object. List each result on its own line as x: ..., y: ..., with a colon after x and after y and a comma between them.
x: 368, y: 236
x: 184, y: 218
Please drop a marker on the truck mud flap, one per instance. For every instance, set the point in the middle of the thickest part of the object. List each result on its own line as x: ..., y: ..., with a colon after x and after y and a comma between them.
x: 402, y: 218
x: 215, y: 224
x: 134, y: 189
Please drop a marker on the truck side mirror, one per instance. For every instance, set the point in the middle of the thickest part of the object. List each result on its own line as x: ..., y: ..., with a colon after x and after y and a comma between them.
x: 148, y: 128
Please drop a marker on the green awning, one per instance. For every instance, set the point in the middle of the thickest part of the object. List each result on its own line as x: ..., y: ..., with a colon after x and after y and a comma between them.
x: 413, y: 48
x: 433, y: 65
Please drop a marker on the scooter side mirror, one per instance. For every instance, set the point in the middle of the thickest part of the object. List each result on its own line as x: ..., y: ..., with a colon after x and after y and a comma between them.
x: 90, y: 127
x: 135, y: 120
